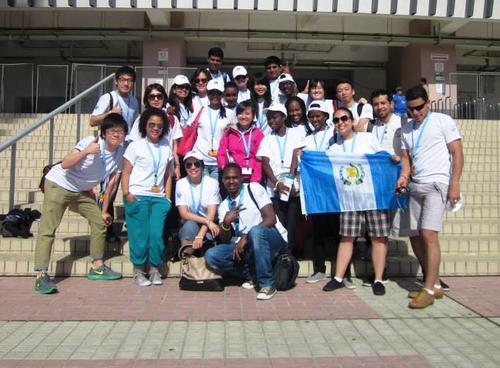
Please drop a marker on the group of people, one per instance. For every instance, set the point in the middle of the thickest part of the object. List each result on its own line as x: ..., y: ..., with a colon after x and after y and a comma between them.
x: 236, y: 185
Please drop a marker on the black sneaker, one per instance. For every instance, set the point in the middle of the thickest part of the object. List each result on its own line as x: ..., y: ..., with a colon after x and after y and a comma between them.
x: 368, y: 282
x: 45, y: 285
x: 378, y: 288
x: 333, y: 285
x: 444, y: 285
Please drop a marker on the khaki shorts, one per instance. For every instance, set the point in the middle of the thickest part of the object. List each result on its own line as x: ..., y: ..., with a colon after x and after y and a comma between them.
x: 427, y: 204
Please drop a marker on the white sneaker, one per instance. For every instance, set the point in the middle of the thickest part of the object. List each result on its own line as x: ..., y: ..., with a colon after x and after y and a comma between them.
x: 266, y: 293
x: 140, y: 279
x: 248, y: 285
x: 348, y: 284
x: 315, y: 277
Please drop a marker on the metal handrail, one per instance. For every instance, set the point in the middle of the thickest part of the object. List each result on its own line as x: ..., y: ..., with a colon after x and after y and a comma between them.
x: 12, y: 141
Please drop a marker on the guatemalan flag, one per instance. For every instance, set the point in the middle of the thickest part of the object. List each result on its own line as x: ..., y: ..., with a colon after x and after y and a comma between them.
x: 340, y: 182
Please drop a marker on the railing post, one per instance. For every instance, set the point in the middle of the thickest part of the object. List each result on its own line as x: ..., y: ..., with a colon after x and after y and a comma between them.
x: 51, y: 141
x: 78, y: 119
x: 12, y: 187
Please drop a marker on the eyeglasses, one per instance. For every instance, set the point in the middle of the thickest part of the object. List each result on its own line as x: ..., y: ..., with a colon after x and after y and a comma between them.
x: 158, y: 96
x: 116, y: 131
x: 201, y: 80
x: 342, y: 118
x: 196, y: 164
x: 240, y: 77
x: 125, y: 80
x: 417, y: 108
x: 157, y: 126
x: 184, y: 86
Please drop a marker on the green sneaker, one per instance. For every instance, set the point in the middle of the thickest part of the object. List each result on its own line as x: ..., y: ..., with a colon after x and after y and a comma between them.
x: 103, y: 273
x: 45, y: 285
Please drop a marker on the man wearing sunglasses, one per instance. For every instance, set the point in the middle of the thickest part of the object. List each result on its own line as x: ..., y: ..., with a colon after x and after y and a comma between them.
x: 249, y: 233
x: 120, y: 100
x: 432, y: 159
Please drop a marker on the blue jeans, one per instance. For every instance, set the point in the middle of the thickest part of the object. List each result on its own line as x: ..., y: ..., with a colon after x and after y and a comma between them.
x: 212, y: 171
x: 264, y: 245
x: 189, y: 230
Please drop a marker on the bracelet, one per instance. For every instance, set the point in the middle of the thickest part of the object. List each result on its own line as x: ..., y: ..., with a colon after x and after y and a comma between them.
x: 199, y: 237
x: 276, y: 185
x: 228, y: 228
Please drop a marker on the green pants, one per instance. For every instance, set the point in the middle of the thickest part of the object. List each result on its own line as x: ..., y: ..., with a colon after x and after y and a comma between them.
x: 145, y: 220
x: 55, y: 202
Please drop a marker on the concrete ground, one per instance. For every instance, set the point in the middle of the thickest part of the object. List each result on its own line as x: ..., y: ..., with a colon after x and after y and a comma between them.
x: 116, y: 324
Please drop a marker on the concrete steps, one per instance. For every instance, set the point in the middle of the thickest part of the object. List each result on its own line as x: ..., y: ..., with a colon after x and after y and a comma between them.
x: 470, y: 242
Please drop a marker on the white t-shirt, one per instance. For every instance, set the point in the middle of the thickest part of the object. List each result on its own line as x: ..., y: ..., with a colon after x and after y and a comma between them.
x: 366, y: 112
x: 328, y: 102
x: 205, y: 141
x: 317, y: 141
x: 244, y: 95
x: 432, y: 160
x: 220, y: 75
x: 251, y: 215
x: 359, y: 143
x: 197, y: 197
x: 174, y: 133
x: 199, y: 102
x: 261, y: 119
x: 388, y: 135
x: 275, y: 89
x: 142, y: 178
x: 90, y: 171
x: 129, y: 106
x: 269, y: 147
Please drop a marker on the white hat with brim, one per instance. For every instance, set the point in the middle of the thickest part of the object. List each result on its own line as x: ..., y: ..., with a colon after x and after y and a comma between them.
x: 275, y: 106
x: 181, y: 80
x: 318, y: 106
x: 239, y: 70
x: 193, y: 154
x: 216, y: 85
x: 285, y: 78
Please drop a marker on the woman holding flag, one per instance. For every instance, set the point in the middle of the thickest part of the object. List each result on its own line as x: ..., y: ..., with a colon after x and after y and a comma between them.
x: 351, y: 223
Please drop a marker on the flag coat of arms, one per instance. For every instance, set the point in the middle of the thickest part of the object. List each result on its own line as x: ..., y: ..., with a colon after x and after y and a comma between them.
x: 341, y: 182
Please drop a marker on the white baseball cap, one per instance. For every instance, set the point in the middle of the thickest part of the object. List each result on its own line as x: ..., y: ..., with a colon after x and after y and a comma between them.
x: 239, y: 70
x: 285, y: 78
x: 193, y: 154
x: 318, y: 106
x: 180, y: 80
x: 215, y: 84
x: 276, y: 106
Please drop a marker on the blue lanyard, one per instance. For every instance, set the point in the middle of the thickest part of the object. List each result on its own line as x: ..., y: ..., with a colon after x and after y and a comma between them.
x: 213, y: 124
x: 156, y: 164
x: 352, y: 145
x: 196, y: 206
x: 240, y: 201
x: 416, y: 145
x: 103, y: 156
x: 185, y: 113
x: 247, y: 144
x: 125, y: 108
x: 243, y: 95
x: 282, y: 148
x: 376, y: 128
x: 322, y: 139
x: 261, y: 120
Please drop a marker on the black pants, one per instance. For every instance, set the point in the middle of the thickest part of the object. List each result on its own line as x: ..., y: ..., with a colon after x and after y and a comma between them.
x: 326, y: 228
x: 287, y: 213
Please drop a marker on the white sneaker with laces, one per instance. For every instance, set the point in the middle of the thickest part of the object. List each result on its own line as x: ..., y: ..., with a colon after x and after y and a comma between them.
x: 248, y: 285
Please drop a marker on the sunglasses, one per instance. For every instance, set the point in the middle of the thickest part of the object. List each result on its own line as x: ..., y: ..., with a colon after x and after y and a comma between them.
x: 158, y: 96
x: 240, y: 77
x: 343, y: 118
x: 184, y: 86
x: 196, y: 164
x: 200, y: 80
x: 416, y: 108
x: 153, y: 125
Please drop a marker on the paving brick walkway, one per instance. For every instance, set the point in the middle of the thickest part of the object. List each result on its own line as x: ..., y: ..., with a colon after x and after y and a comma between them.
x: 115, y: 324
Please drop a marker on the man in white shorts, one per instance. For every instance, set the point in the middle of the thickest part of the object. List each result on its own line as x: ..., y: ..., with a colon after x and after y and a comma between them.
x: 432, y: 158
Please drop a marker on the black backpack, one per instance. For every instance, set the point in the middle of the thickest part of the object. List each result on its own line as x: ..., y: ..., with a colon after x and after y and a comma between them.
x: 286, y: 267
x: 285, y: 271
x: 18, y: 222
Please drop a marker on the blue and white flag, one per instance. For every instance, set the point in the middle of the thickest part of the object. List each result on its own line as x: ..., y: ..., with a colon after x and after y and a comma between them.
x: 338, y: 182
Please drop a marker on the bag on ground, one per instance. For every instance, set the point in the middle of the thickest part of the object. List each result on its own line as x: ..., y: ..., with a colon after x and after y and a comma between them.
x: 285, y: 271
x: 195, y: 276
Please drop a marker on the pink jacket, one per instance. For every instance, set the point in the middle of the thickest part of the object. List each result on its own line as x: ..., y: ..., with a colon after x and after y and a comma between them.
x: 231, y: 145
